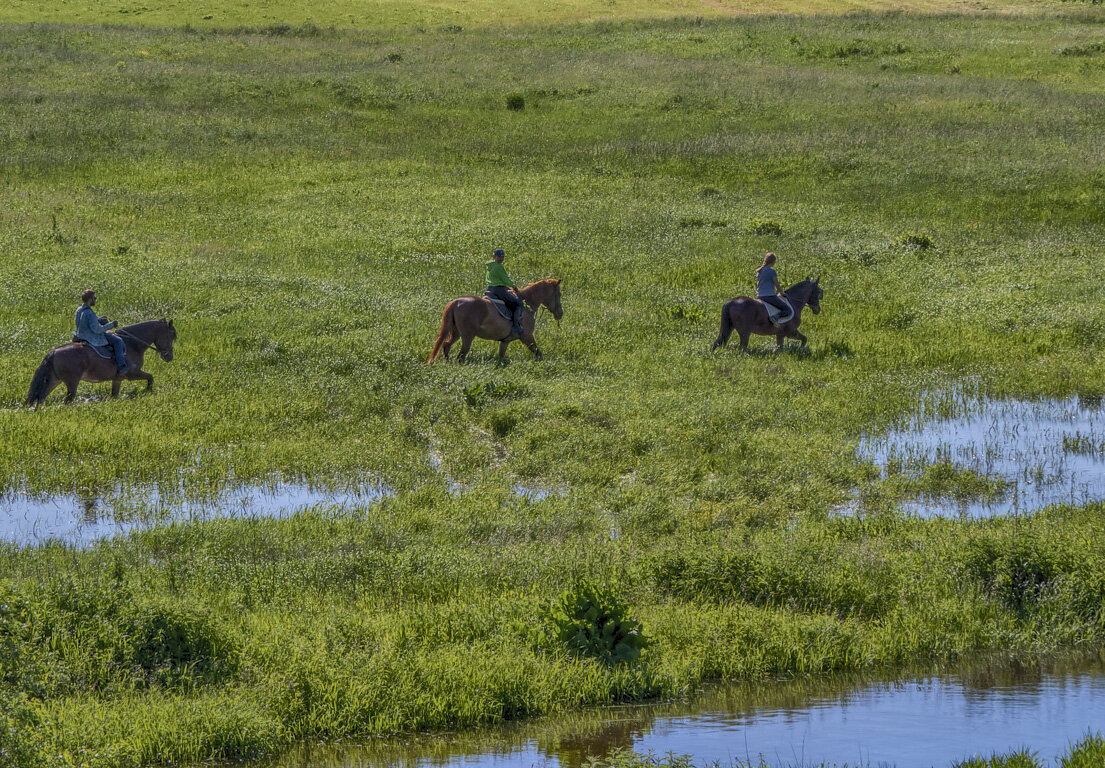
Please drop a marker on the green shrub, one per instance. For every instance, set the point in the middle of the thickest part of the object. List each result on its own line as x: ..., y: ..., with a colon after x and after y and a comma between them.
x: 917, y: 240
x: 592, y: 621
x: 762, y: 226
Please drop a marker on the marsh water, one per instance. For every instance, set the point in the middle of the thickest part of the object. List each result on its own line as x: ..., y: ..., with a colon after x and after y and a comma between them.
x: 81, y: 519
x: 920, y: 721
x: 27, y: 519
x: 1043, y: 452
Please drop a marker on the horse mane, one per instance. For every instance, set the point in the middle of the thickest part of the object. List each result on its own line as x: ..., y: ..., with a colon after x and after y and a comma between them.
x: 147, y: 330
x: 145, y: 324
x: 802, y: 290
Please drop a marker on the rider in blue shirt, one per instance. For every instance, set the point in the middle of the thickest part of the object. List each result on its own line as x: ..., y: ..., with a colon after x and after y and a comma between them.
x: 768, y: 289
x: 91, y: 328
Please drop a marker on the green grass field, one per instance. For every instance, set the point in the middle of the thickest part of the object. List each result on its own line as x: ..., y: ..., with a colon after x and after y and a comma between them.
x: 303, y: 201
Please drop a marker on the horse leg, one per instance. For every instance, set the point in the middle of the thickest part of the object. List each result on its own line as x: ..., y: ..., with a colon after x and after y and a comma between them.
x: 531, y: 344
x: 71, y: 386
x: 51, y: 384
x: 800, y: 337
x: 502, y: 350
x: 143, y: 375
x: 445, y: 349
x: 465, y: 345
x: 744, y: 336
x: 115, y: 386
x: 779, y: 339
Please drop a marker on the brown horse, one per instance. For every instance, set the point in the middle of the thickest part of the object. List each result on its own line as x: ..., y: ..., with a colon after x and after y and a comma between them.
x: 747, y: 315
x: 472, y: 316
x: 70, y: 363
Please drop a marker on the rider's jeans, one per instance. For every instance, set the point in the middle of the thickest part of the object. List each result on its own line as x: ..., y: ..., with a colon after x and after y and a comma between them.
x: 119, y: 347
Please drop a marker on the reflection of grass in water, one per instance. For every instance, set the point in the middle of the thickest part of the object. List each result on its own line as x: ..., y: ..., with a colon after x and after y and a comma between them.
x: 1087, y: 753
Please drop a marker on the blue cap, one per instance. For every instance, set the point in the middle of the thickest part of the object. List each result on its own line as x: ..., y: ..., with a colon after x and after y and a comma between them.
x: 498, y: 252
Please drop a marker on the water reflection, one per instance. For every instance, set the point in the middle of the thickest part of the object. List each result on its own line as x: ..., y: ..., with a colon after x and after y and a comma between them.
x: 1045, y: 451
x: 917, y: 722
x: 85, y: 517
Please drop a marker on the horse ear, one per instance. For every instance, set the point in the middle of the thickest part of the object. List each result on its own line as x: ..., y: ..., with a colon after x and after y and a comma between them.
x: 558, y: 282
x: 818, y: 280
x: 170, y: 323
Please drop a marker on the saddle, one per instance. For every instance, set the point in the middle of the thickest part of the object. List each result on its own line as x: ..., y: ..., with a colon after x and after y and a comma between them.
x: 105, y: 351
x: 500, y: 305
x: 778, y: 316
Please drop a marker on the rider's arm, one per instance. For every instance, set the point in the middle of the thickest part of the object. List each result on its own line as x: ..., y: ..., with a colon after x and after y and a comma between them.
x: 106, y: 325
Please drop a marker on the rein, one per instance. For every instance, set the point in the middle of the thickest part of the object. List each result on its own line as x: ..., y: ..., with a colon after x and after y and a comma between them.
x: 145, y: 344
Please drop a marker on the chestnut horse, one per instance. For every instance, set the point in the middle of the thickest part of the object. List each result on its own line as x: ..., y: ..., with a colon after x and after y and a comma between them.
x: 747, y: 315
x: 71, y: 363
x: 471, y: 316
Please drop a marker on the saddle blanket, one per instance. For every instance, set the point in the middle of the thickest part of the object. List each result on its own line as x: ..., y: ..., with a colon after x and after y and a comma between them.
x: 105, y: 351
x: 499, y: 305
x: 778, y: 316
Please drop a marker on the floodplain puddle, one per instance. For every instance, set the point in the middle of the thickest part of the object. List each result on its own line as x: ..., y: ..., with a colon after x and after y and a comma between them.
x: 1029, y: 454
x: 28, y: 519
x: 920, y: 721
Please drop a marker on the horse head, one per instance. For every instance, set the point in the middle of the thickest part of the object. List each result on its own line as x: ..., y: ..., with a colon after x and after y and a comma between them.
x: 815, y: 296
x: 547, y: 293
x: 163, y: 341
x: 554, y: 303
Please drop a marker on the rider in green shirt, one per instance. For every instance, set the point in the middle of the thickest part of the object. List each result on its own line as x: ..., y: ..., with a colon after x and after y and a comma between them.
x: 501, y: 287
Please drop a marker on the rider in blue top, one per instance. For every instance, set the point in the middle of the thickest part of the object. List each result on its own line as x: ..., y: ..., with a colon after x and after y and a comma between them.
x: 768, y: 289
x: 91, y: 328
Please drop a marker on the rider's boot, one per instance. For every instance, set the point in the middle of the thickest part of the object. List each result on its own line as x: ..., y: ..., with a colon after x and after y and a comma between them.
x: 121, y: 364
x: 516, y: 325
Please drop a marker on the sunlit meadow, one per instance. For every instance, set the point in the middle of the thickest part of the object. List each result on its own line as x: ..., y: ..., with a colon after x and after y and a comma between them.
x: 304, y: 200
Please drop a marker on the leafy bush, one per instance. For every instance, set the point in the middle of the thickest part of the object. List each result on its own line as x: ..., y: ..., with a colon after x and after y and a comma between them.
x: 918, y: 240
x: 592, y: 621
x: 762, y: 226
x: 682, y: 312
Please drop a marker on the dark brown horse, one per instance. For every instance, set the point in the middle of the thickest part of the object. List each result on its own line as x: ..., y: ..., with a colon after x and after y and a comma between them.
x: 746, y: 315
x: 70, y: 363
x: 471, y: 316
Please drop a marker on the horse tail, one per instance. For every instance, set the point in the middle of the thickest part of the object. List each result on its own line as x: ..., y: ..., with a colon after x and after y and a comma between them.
x: 446, y: 332
x: 41, y: 380
x: 726, y: 328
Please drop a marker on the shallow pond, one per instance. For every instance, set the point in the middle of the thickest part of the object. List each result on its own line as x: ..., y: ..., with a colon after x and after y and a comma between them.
x: 916, y: 722
x: 26, y: 519
x: 1043, y: 452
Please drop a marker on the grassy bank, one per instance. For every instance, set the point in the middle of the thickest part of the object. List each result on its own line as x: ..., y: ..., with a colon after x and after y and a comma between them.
x: 303, y: 203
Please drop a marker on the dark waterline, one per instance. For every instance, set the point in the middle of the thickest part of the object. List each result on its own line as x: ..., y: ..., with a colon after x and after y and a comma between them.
x: 929, y: 721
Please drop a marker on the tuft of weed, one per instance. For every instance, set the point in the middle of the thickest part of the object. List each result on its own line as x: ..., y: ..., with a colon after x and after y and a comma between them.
x: 591, y: 620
